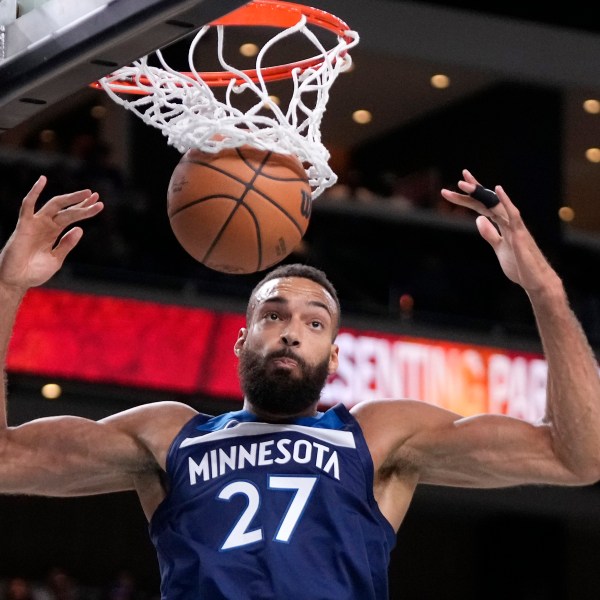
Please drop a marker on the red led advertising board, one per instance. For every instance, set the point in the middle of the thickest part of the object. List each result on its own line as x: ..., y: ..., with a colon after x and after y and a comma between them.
x: 150, y: 345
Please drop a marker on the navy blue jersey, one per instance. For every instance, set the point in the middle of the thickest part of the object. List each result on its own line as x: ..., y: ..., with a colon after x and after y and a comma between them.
x: 263, y: 511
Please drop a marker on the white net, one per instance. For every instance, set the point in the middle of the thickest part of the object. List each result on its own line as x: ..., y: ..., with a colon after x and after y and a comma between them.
x: 189, y: 113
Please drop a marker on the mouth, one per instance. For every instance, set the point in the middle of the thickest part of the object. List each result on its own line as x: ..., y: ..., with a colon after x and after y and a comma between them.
x: 284, y: 362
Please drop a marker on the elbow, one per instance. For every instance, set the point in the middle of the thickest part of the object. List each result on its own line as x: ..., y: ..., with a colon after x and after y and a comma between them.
x: 591, y: 477
x: 587, y: 472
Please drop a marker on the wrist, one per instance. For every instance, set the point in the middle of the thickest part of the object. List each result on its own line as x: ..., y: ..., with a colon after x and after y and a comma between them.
x: 551, y: 293
x: 10, y: 292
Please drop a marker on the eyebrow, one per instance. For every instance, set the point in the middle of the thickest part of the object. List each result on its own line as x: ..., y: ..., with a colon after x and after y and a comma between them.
x: 282, y: 301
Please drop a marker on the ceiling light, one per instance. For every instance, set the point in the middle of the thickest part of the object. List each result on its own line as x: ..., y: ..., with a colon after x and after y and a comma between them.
x: 362, y: 117
x: 440, y: 81
x: 98, y: 111
x: 47, y: 135
x: 593, y: 155
x: 566, y: 213
x: 51, y: 391
x: 591, y: 106
x: 249, y: 49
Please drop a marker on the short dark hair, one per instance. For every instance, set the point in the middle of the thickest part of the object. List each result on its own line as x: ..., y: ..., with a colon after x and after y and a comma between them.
x: 305, y: 272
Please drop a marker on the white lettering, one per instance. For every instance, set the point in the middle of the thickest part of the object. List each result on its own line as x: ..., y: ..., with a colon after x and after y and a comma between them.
x: 264, y: 452
x: 216, y: 463
x: 462, y: 378
x: 302, y: 451
x: 333, y: 463
x: 247, y: 456
x: 538, y: 383
x: 285, y: 453
x: 198, y: 469
x: 227, y: 460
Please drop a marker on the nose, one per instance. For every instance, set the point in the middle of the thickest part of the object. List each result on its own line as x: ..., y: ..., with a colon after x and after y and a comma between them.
x: 290, y: 336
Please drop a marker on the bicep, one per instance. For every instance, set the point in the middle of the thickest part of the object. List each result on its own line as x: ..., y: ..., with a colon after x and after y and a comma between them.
x: 441, y: 447
x: 487, y: 451
x: 65, y: 456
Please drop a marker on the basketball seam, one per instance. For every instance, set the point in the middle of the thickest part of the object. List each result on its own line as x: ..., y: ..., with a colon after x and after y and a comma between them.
x: 248, y: 186
x: 263, y: 163
x: 208, y: 165
x: 203, y: 199
x: 237, y: 201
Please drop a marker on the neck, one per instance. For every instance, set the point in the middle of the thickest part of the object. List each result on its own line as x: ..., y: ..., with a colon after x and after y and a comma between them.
x: 274, y: 417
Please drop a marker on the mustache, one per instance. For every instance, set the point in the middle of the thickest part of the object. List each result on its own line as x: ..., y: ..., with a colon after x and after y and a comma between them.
x: 285, y: 353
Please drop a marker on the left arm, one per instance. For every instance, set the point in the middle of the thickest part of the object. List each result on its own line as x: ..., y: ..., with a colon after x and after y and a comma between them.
x: 573, y: 389
x: 440, y: 447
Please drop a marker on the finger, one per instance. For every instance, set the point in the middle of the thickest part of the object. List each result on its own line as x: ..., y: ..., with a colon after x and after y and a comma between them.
x: 28, y: 204
x: 66, y: 243
x: 488, y: 232
x: 504, y: 212
x: 510, y: 208
x: 468, y: 176
x: 473, y: 188
x: 91, y: 199
x: 487, y: 197
x: 465, y: 200
x: 58, y: 203
x: 457, y: 198
x: 86, y: 209
x: 469, y: 183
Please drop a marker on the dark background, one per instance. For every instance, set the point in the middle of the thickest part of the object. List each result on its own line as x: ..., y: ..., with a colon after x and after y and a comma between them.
x: 526, y: 543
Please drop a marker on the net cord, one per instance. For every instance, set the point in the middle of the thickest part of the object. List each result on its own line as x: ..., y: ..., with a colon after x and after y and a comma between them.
x: 184, y: 107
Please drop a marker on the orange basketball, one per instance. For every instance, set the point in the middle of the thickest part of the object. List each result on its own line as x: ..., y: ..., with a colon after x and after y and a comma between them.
x: 241, y: 210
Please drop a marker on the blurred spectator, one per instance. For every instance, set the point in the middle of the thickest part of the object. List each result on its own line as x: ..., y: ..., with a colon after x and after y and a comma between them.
x: 351, y: 185
x: 124, y: 587
x: 18, y: 588
x: 60, y: 585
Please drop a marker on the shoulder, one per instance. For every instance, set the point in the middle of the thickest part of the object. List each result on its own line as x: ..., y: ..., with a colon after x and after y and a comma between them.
x: 381, y: 411
x: 153, y: 425
x: 391, y: 427
x: 165, y: 412
x: 401, y: 417
x: 157, y: 422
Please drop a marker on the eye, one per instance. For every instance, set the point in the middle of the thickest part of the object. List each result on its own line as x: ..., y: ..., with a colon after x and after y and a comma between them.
x: 316, y: 324
x: 271, y: 316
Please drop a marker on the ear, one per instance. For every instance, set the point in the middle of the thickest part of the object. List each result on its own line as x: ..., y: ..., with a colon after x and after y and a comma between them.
x: 242, y: 335
x: 334, y: 359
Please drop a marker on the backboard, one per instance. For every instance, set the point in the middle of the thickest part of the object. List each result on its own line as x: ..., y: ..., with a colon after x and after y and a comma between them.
x: 52, y: 48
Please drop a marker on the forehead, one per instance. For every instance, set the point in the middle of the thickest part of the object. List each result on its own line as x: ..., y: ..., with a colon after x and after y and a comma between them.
x: 296, y: 289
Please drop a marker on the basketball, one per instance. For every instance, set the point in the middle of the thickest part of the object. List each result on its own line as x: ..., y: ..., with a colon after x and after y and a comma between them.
x: 240, y: 210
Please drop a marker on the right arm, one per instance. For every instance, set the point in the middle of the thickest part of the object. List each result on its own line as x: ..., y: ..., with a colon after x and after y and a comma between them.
x: 31, y: 256
x: 61, y: 455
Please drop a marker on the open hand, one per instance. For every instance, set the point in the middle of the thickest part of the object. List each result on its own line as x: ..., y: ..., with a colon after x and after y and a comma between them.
x: 519, y: 255
x: 37, y: 248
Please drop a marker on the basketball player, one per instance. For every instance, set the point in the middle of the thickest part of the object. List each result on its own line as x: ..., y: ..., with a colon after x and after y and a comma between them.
x: 278, y: 500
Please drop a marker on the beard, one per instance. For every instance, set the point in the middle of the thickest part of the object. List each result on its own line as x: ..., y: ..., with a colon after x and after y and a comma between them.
x: 277, y: 391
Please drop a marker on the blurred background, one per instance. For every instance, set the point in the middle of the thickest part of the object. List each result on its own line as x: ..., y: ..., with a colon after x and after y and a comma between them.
x: 511, y: 93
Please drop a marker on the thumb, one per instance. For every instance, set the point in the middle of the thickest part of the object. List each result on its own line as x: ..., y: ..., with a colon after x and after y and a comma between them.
x: 68, y: 241
x: 488, y: 232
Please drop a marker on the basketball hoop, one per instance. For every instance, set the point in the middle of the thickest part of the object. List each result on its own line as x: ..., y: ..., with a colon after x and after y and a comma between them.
x: 185, y: 107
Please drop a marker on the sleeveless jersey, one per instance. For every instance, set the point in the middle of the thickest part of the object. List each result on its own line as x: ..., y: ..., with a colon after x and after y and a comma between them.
x: 260, y: 511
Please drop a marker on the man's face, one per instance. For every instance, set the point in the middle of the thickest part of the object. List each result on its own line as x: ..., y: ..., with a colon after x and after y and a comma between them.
x: 287, y: 351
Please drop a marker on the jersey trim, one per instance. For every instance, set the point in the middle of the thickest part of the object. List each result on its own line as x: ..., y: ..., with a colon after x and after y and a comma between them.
x: 344, y: 439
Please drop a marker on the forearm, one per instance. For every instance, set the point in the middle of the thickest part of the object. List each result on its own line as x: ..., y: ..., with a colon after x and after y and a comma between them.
x: 573, y: 388
x: 10, y: 299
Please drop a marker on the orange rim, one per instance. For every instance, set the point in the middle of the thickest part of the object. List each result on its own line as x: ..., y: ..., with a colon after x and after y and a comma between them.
x: 274, y: 13
x: 282, y: 14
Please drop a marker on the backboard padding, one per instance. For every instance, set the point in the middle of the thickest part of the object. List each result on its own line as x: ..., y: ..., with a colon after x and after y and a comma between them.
x: 41, y: 68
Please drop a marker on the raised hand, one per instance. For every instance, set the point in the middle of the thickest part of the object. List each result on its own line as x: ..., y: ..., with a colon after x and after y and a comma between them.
x: 519, y: 255
x: 37, y: 248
